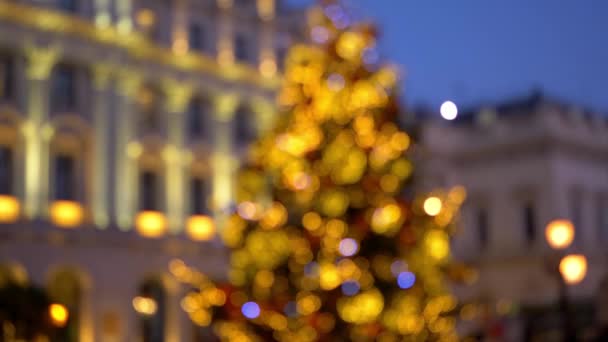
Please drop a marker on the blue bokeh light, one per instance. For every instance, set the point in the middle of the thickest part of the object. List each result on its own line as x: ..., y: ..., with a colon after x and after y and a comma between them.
x: 406, y: 280
x: 350, y: 288
x: 250, y: 310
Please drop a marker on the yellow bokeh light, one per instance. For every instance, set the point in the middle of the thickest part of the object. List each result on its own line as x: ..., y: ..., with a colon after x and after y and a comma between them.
x: 432, y: 206
x: 559, y: 234
x: 59, y: 314
x: 573, y: 268
x: 362, y: 308
x: 274, y: 217
x: 144, y: 305
x: 66, y: 214
x: 311, y: 221
x: 350, y: 45
x: 9, y: 209
x: 437, y: 244
x: 151, y: 224
x: 200, y: 228
x: 386, y: 219
x: 329, y: 276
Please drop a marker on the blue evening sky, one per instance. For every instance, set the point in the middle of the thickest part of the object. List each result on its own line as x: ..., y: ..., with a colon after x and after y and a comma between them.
x: 474, y: 51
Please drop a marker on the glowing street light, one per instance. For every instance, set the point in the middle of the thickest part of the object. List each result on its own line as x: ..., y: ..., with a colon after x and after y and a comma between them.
x: 559, y: 234
x: 432, y: 206
x: 144, y: 305
x: 448, y: 110
x: 573, y: 268
x: 59, y: 314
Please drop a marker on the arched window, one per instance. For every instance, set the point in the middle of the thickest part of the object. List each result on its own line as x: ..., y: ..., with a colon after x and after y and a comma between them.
x: 198, y: 198
x: 153, y: 322
x: 198, y: 109
x: 65, y: 177
x: 149, y: 185
x: 6, y: 170
x: 149, y: 103
x: 65, y: 288
x: 63, y: 88
x: 7, y: 78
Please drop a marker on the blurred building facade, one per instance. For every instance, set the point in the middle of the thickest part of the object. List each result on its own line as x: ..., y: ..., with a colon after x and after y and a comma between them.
x: 524, y: 163
x: 121, y: 124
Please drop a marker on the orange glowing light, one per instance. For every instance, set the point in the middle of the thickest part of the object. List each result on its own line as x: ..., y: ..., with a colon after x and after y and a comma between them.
x: 151, y: 224
x: 573, y: 268
x: 200, y: 228
x: 559, y: 234
x: 9, y: 209
x: 59, y: 314
x: 66, y: 214
x: 144, y: 305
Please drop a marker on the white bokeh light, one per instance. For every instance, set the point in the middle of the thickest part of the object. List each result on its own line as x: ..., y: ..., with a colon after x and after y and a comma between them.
x: 448, y: 110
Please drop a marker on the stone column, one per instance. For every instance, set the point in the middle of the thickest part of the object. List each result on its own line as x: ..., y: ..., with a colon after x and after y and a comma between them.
x: 125, y: 189
x: 37, y: 132
x: 100, y: 202
x: 180, y: 43
x: 223, y: 161
x: 225, y: 40
x: 267, y: 57
x: 124, y: 9
x: 103, y: 16
x: 177, y: 97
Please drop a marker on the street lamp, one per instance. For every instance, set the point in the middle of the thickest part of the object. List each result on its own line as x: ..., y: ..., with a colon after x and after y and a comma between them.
x: 567, y: 269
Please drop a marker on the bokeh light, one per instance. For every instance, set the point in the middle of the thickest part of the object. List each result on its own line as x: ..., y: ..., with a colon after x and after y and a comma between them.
x: 350, y: 288
x: 432, y: 206
x: 250, y: 310
x: 348, y: 247
x: 406, y: 280
x: 573, y: 268
x: 59, y: 314
x: 559, y: 234
x: 449, y: 110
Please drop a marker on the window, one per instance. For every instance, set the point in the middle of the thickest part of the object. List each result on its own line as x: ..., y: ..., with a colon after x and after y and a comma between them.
x: 7, y: 81
x: 602, y: 217
x: 196, y: 37
x: 149, y: 105
x: 65, y: 182
x: 6, y: 170
x: 482, y: 227
x: 68, y: 5
x: 199, y: 191
x: 575, y: 214
x: 244, y: 126
x: 148, y: 184
x: 529, y: 223
x: 63, y: 89
x: 281, y: 57
x: 241, y: 48
x: 195, y: 114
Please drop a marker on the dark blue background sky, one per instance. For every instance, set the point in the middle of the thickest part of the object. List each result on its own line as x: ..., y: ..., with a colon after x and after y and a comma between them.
x: 475, y: 51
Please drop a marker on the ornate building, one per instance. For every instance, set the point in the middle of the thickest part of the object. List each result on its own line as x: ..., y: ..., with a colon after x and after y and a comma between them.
x: 524, y: 163
x: 121, y: 124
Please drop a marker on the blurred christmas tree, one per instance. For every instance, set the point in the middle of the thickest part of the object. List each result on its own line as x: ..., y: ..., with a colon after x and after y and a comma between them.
x: 324, y: 244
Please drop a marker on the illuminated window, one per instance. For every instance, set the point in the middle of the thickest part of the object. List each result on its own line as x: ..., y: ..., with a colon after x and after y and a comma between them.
x: 241, y: 49
x: 68, y: 5
x: 7, y: 78
x: 482, y: 227
x: 63, y: 93
x: 244, y: 126
x: 198, y: 196
x: 153, y: 321
x: 148, y: 190
x: 6, y: 170
x: 196, y: 37
x: 149, y: 102
x: 65, y: 181
x: 529, y: 220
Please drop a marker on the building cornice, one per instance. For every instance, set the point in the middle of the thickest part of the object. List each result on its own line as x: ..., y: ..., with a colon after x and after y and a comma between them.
x: 134, y: 44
